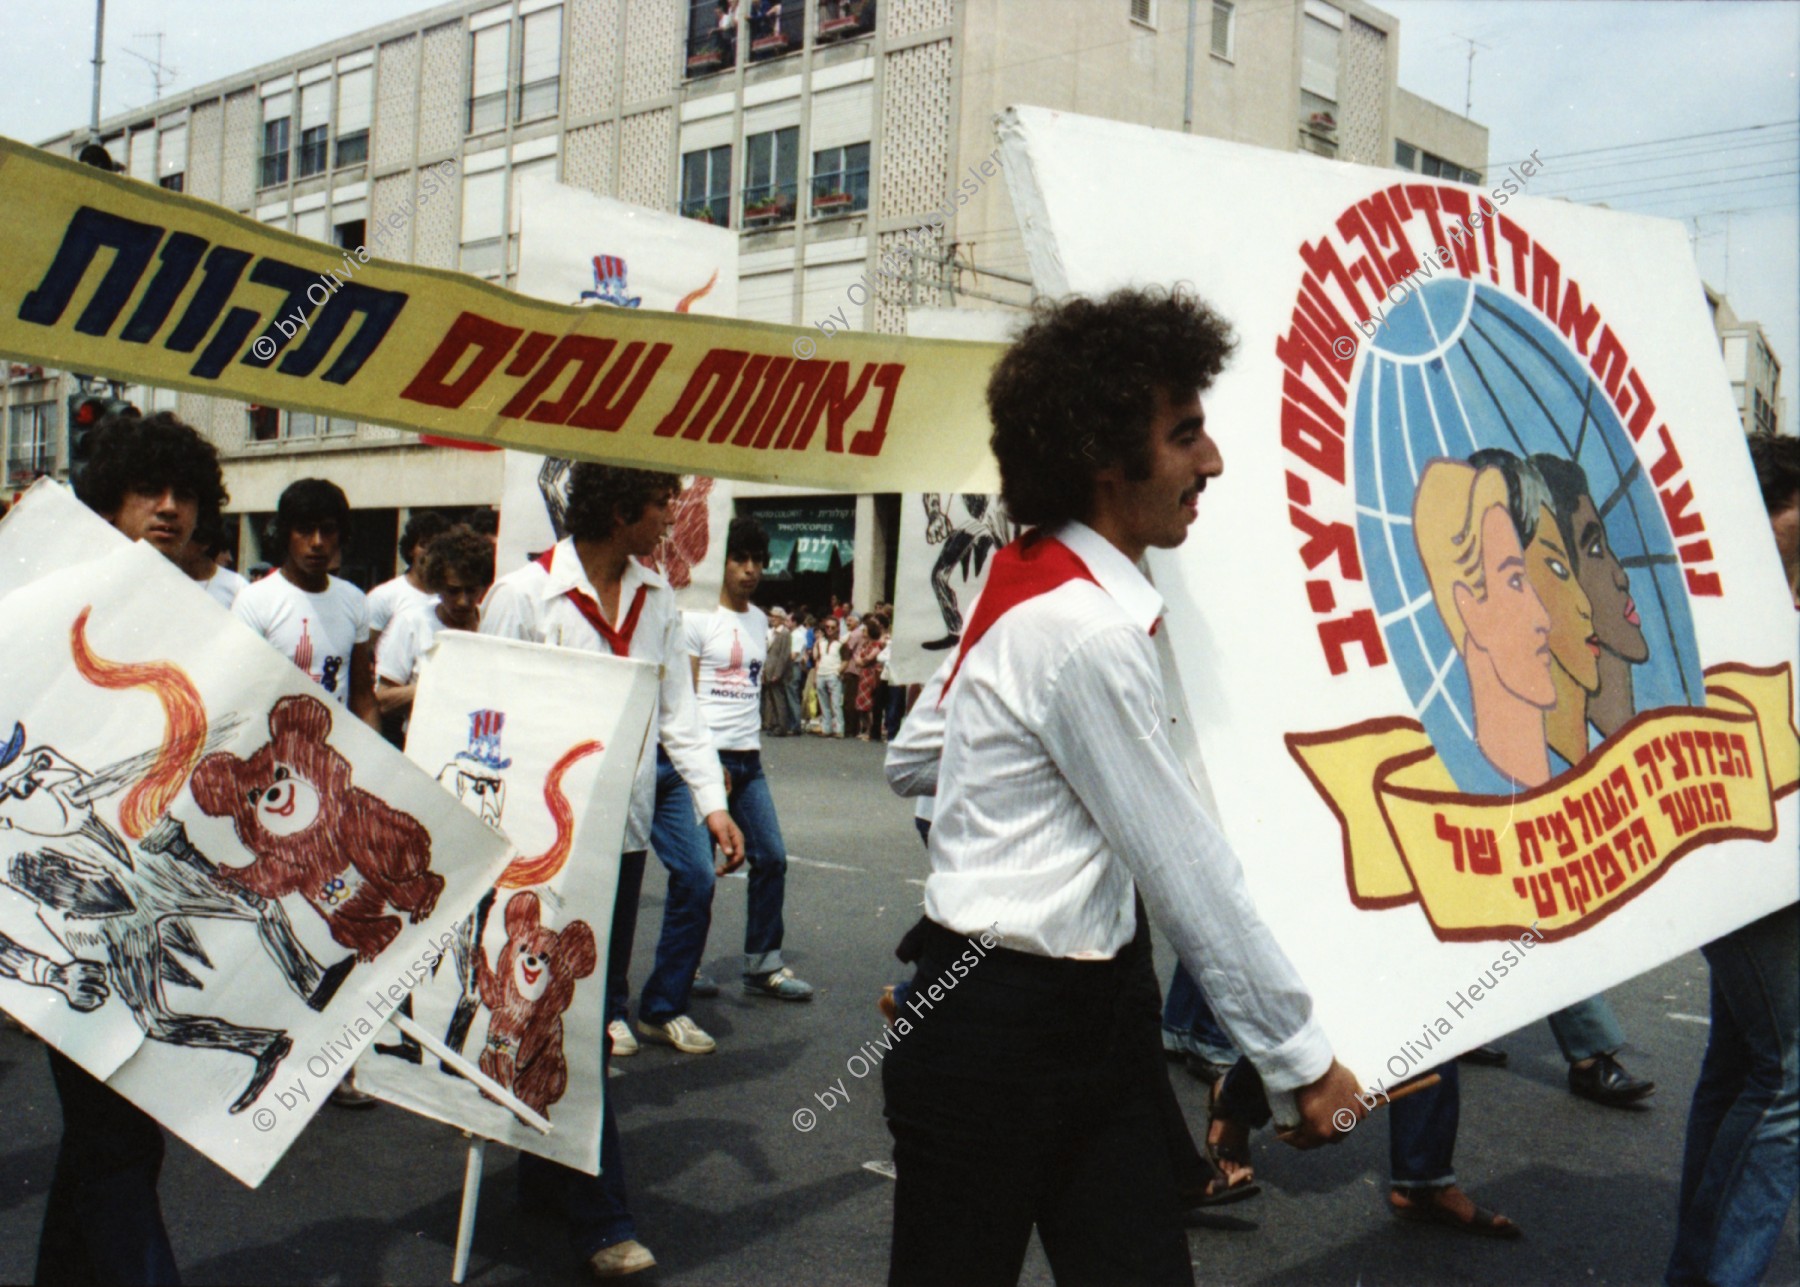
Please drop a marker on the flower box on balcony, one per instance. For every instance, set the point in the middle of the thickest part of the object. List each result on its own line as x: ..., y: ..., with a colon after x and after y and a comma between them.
x: 774, y: 43
x: 705, y: 61
x: 832, y: 203
x: 836, y: 29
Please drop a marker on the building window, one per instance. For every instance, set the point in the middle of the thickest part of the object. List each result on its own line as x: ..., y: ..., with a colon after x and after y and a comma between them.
x: 1319, y: 52
x: 840, y: 180
x: 540, y: 65
x: 276, y: 108
x: 706, y: 185
x: 1144, y: 12
x: 315, y: 129
x: 349, y: 234
x: 545, y: 166
x: 171, y: 158
x: 264, y: 423
x: 1406, y: 156
x: 30, y: 435
x: 776, y: 28
x: 845, y: 20
x: 712, y: 35
x: 1318, y: 115
x: 483, y: 223
x: 1761, y: 412
x: 354, y: 97
x: 1224, y: 28
x: 312, y: 224
x: 488, y: 58
x: 142, y: 153
x: 771, y: 177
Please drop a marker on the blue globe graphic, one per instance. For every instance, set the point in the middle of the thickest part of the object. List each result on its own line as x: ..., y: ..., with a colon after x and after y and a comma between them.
x: 1457, y: 367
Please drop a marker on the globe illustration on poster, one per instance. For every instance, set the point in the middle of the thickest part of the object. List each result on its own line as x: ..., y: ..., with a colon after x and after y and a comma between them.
x: 1535, y: 562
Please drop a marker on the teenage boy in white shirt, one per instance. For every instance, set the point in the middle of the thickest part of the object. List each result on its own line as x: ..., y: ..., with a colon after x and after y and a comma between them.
x: 590, y: 591
x: 457, y: 567
x: 316, y: 620
x: 730, y: 648
x: 1032, y: 1082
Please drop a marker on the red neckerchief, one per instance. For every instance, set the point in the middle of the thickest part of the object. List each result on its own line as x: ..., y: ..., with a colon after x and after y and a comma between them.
x: 618, y: 640
x: 1032, y: 565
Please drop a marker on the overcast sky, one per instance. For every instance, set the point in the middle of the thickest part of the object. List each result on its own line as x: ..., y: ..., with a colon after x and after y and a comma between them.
x: 1647, y: 106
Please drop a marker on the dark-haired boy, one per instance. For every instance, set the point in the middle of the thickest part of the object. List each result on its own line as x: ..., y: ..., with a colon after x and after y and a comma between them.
x: 318, y: 621
x: 730, y: 648
x: 457, y: 568
x: 1028, y: 1097
x: 590, y: 591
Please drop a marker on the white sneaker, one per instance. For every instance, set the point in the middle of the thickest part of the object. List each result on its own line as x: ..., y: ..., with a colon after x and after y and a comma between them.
x: 623, y: 1043
x: 621, y: 1258
x: 681, y: 1032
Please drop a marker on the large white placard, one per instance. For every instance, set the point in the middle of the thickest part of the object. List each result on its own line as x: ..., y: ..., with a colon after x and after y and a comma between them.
x: 542, y: 744
x: 1490, y: 734
x: 215, y: 883
x: 579, y: 248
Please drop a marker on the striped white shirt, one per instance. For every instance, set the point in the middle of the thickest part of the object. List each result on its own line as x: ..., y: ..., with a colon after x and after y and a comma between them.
x: 1057, y: 791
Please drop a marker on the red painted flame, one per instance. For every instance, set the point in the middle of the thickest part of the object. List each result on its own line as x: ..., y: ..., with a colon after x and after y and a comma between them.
x: 687, y: 300
x: 536, y: 871
x: 184, y: 725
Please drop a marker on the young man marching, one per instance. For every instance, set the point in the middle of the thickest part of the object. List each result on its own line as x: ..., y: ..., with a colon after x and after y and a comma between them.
x: 592, y: 592
x: 730, y: 649
x: 1025, y: 1093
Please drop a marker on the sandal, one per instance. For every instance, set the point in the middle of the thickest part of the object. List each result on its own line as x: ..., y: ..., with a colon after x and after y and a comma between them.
x: 1480, y: 1221
x: 1228, y: 1149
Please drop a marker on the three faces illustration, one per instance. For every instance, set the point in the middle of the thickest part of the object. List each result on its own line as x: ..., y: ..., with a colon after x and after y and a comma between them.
x: 1536, y: 602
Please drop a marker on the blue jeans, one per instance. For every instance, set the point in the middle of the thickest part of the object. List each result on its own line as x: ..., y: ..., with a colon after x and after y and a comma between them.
x: 1422, y: 1134
x: 103, y: 1223
x: 1742, y: 1162
x: 1188, y: 1025
x: 685, y: 849
x: 624, y: 933
x: 594, y: 1205
x: 831, y: 704
x: 796, y: 686
x: 1587, y: 1029
x: 753, y: 809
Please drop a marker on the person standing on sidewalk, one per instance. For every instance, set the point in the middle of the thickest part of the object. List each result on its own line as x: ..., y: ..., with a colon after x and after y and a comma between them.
x: 828, y: 682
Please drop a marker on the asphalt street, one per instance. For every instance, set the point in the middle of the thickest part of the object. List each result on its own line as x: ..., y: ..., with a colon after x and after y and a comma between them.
x: 727, y: 1190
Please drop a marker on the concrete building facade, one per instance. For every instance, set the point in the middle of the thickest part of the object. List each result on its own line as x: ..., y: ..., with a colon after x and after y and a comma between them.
x: 824, y: 134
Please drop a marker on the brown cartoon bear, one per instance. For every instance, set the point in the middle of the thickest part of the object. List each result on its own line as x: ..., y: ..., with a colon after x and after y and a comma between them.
x: 349, y: 854
x: 526, y: 995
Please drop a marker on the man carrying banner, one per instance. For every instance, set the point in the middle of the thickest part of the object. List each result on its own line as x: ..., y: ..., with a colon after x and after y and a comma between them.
x: 592, y: 592
x: 1027, y: 1075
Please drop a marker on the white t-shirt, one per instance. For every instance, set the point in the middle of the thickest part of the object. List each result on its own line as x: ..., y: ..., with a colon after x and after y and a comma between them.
x: 732, y: 647
x: 389, y: 599
x: 224, y: 585
x: 315, y: 631
x: 408, y: 637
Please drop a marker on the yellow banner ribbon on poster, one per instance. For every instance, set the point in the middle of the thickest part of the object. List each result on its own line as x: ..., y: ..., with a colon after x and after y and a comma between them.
x: 1567, y: 854
x: 109, y: 276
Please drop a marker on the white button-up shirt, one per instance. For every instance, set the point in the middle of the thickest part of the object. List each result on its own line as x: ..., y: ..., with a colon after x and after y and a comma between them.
x: 1057, y: 788
x: 533, y: 604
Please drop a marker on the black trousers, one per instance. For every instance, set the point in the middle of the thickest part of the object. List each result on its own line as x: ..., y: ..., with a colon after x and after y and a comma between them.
x: 103, y: 1225
x: 1033, y: 1095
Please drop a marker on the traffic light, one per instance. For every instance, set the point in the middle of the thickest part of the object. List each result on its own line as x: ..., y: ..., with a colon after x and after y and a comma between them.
x: 86, y: 411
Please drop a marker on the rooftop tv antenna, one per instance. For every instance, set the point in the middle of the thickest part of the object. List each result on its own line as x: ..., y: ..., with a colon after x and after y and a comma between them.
x: 158, y: 68
x: 1469, y: 82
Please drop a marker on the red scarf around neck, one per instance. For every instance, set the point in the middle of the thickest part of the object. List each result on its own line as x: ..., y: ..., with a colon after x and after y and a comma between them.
x: 1032, y: 565
x: 618, y: 640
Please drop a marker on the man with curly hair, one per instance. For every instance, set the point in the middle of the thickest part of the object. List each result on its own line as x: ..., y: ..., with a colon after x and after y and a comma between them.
x: 593, y: 591
x: 1030, y: 1075
x: 455, y: 569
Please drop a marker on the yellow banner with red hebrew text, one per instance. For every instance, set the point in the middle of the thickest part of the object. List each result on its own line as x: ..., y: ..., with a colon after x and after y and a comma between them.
x: 113, y: 277
x: 1567, y: 854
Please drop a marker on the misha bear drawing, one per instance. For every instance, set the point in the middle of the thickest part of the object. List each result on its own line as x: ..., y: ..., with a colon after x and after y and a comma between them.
x: 526, y: 994
x: 349, y: 854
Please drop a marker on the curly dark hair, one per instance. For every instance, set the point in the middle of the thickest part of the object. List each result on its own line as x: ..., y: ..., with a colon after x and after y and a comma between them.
x: 747, y: 539
x: 605, y: 497
x: 138, y: 453
x: 1076, y: 391
x: 422, y: 527
x: 1777, y: 460
x: 305, y: 504
x: 462, y: 551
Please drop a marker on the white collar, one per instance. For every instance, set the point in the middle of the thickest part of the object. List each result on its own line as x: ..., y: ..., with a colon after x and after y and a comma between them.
x: 1117, y: 575
x: 566, y: 573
